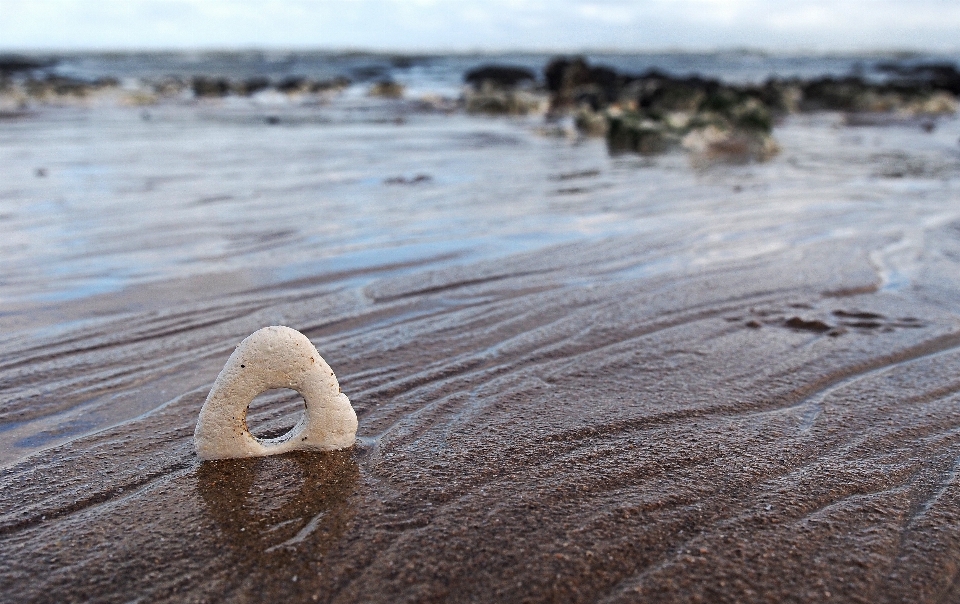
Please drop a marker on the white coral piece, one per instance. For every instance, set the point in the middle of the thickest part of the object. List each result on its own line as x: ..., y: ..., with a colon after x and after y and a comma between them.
x: 274, y: 357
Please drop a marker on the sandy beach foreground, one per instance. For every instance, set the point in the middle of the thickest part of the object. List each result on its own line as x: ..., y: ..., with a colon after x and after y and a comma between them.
x: 732, y: 384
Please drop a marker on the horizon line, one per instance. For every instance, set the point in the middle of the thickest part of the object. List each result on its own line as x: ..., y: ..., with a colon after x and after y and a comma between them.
x: 409, y: 52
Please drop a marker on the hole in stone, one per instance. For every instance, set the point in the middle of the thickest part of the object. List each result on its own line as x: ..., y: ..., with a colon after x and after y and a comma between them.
x: 274, y: 412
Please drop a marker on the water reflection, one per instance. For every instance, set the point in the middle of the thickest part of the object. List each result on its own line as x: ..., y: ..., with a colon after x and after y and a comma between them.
x: 270, y: 506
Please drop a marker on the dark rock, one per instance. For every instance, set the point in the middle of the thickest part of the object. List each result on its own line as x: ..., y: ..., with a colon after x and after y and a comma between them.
x: 834, y: 94
x: 10, y: 64
x: 210, y: 87
x: 402, y: 180
x: 856, y: 314
x: 14, y: 115
x: 572, y: 82
x: 293, y: 84
x: 369, y: 72
x: 935, y: 76
x: 917, y: 90
x: 575, y: 175
x: 499, y: 76
x: 801, y: 325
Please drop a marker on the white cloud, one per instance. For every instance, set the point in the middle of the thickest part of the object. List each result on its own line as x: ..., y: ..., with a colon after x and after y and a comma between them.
x: 482, y: 24
x: 801, y: 19
x: 720, y: 12
x: 611, y: 14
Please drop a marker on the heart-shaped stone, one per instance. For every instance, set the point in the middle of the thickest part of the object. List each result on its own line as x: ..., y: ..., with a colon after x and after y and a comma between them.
x: 269, y: 358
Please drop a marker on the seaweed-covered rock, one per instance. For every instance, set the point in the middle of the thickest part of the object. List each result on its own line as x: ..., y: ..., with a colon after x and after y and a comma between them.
x: 918, y: 89
x: 252, y: 86
x: 52, y: 86
x: 939, y: 103
x: 654, y: 112
x: 715, y: 145
x: 591, y: 123
x: 495, y: 101
x: 834, y: 94
x: 503, y: 90
x: 335, y: 85
x: 168, y: 86
x: 631, y: 132
x: 386, y: 89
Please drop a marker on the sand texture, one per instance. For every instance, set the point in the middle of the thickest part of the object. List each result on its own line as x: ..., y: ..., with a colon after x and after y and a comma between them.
x: 750, y: 392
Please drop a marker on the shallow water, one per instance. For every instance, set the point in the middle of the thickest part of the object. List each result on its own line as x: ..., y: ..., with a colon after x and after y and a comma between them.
x: 578, y: 377
x: 98, y: 200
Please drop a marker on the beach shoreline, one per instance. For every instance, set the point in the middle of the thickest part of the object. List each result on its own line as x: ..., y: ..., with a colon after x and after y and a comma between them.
x: 578, y: 377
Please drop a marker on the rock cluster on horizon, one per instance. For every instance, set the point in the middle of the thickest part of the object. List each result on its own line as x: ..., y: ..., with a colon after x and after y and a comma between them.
x: 655, y: 112
x: 649, y: 113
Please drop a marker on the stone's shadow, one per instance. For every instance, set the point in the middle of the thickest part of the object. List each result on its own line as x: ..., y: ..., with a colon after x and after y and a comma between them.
x: 292, y: 503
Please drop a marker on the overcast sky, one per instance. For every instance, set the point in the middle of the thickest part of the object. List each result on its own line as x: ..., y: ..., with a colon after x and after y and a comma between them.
x: 463, y: 25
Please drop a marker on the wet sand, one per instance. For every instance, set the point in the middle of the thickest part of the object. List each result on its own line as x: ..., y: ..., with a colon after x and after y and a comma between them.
x: 743, y: 388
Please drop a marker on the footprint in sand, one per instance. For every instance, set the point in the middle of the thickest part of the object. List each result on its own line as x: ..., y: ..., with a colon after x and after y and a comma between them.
x: 837, y: 323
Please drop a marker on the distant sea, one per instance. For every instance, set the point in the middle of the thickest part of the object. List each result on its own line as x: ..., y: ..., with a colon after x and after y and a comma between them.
x: 443, y: 74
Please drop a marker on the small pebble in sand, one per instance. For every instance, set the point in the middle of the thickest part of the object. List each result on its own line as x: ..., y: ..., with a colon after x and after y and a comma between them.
x: 274, y: 357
